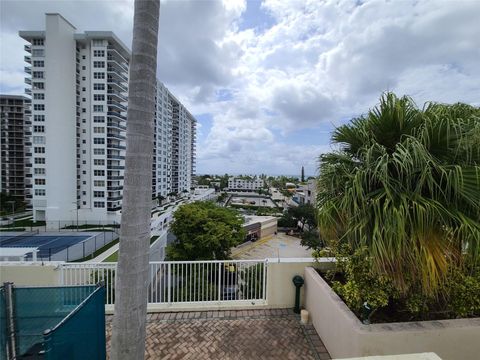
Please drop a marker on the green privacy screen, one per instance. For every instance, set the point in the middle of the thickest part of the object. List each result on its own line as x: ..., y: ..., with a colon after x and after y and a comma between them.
x: 3, y: 326
x: 61, y: 322
x: 81, y: 335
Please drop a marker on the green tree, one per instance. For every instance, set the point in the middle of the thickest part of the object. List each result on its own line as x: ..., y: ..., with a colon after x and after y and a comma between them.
x: 224, y: 181
x: 129, y: 321
x: 405, y: 185
x: 205, y: 231
x: 304, y: 213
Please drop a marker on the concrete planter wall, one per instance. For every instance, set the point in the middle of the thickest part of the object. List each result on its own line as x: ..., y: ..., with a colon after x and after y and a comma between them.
x: 345, y: 336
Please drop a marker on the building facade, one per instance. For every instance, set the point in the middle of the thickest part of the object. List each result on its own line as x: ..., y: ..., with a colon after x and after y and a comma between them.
x: 245, y: 183
x: 174, y: 149
x: 14, y: 147
x: 307, y: 193
x: 79, y: 88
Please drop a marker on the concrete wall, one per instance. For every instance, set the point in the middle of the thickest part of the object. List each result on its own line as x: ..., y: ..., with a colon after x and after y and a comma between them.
x: 280, y: 272
x: 31, y: 274
x: 345, y: 336
x: 60, y: 114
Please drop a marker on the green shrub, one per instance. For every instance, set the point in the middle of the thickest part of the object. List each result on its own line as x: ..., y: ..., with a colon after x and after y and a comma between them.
x: 362, y: 286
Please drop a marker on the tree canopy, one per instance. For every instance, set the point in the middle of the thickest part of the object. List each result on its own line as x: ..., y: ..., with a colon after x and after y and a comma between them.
x: 204, y: 231
x: 405, y: 184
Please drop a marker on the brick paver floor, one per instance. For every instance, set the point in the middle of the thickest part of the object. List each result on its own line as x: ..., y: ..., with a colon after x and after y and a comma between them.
x: 242, y: 334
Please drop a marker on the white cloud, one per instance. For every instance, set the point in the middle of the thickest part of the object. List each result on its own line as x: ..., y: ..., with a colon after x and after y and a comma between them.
x: 321, y: 62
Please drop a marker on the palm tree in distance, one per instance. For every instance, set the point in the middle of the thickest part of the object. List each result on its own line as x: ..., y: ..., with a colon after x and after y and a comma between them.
x: 129, y: 322
x: 405, y: 184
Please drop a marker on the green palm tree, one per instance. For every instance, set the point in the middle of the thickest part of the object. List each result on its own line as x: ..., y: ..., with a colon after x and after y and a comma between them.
x: 405, y: 183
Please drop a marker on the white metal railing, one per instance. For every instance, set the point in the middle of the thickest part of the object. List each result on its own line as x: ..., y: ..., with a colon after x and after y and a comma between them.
x: 174, y: 282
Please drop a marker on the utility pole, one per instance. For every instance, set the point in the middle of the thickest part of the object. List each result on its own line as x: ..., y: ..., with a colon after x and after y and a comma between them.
x: 76, y: 207
x: 13, y: 210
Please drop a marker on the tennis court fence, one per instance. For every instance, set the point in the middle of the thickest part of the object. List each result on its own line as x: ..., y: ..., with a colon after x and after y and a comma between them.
x: 64, y: 225
x: 57, y: 251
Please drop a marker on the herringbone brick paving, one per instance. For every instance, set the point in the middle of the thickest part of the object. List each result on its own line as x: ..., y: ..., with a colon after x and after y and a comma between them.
x: 240, y: 334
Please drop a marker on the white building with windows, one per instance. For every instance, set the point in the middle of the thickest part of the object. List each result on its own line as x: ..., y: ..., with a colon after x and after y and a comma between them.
x: 79, y: 88
x: 245, y: 183
x: 174, y: 151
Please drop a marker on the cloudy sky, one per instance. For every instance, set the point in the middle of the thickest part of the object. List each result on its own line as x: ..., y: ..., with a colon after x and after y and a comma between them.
x: 269, y: 80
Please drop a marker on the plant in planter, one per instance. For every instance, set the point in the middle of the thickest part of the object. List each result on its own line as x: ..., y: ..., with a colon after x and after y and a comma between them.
x: 403, y: 193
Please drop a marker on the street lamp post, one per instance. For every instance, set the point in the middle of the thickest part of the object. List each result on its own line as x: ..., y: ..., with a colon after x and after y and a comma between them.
x: 76, y: 207
x: 13, y: 210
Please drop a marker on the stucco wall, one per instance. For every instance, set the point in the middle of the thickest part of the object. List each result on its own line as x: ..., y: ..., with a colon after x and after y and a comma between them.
x: 345, y: 336
x: 32, y: 274
x: 280, y: 290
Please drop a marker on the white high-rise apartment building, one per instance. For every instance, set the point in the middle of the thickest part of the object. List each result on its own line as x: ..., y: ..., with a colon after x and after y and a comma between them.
x: 79, y: 88
x: 174, y: 154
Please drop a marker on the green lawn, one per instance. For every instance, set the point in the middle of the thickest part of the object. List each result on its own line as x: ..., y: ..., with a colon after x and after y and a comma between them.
x: 27, y: 223
x: 114, y: 256
x: 99, y: 251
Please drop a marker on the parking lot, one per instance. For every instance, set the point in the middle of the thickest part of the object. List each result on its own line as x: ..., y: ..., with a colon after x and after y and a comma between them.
x: 280, y: 245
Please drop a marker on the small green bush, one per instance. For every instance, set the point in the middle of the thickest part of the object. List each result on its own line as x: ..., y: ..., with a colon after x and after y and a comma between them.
x: 362, y: 286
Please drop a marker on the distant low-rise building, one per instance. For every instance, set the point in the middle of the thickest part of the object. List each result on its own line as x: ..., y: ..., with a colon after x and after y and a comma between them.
x: 259, y: 227
x: 307, y: 193
x: 245, y: 183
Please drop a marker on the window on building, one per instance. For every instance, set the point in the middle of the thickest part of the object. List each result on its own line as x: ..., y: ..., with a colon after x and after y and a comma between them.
x: 98, y: 183
x: 39, y: 107
x: 84, y: 67
x: 39, y: 171
x: 98, y: 204
x: 98, y: 97
x: 39, y: 96
x: 40, y: 182
x: 98, y: 53
x: 40, y: 118
x: 99, y: 194
x: 99, y: 64
x: 38, y: 63
x: 39, y: 150
x: 84, y: 78
x: 98, y: 162
x: 38, y: 42
x: 98, y: 86
x: 38, y: 52
x: 99, y: 130
x: 39, y: 140
x: 99, y: 172
x: 37, y: 74
x: 97, y: 108
x: 99, y: 119
x: 99, y: 75
x: 39, y: 128
x: 38, y: 86
x: 38, y: 160
x: 98, y: 140
x: 97, y: 151
x: 40, y: 192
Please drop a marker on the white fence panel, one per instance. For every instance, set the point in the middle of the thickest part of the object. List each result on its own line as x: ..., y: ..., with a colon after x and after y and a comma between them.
x: 183, y: 282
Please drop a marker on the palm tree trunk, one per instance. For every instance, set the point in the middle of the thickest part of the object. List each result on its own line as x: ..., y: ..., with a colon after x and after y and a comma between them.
x: 129, y: 322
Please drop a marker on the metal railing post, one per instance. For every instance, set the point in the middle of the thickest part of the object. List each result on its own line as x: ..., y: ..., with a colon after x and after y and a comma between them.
x: 9, y: 304
x: 264, y: 292
x: 219, y: 281
x: 169, y: 279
